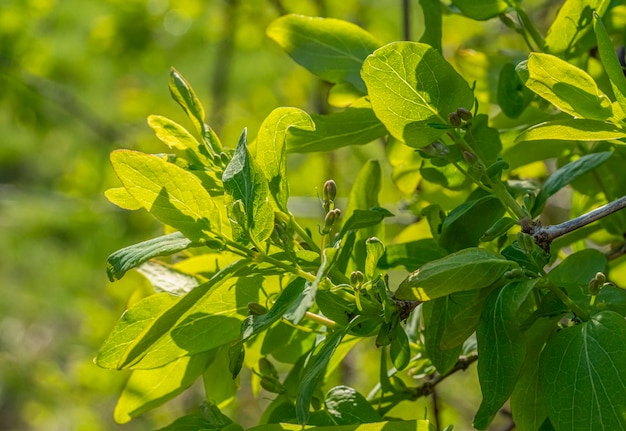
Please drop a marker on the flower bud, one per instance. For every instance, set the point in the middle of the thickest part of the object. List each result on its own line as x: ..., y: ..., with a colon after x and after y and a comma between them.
x: 330, y: 191
x: 357, y: 278
x: 465, y: 114
x: 330, y: 220
x: 454, y: 119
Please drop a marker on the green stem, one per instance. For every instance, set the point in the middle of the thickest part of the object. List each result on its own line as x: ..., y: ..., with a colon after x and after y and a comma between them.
x: 568, y: 302
x: 259, y: 256
x: 303, y: 234
x: 530, y: 28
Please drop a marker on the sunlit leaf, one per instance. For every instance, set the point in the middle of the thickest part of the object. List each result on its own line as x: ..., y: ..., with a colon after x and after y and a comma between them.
x: 432, y: 23
x: 482, y: 10
x: 567, y: 87
x: 184, y: 95
x: 583, y: 373
x: 573, y: 130
x: 411, y: 255
x: 147, y: 389
x: 171, y: 194
x: 610, y: 62
x: 165, y: 278
x: 269, y: 148
x: 346, y: 407
x: 356, y: 125
x: 404, y: 81
x: 176, y: 136
x: 330, y: 48
x: 246, y: 185
x: 119, y: 196
x: 469, y: 269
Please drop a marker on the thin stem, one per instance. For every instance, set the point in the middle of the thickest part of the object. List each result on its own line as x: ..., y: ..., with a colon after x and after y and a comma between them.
x: 406, y: 19
x: 568, y: 301
x: 303, y: 234
x: 324, y: 321
x: 530, y: 28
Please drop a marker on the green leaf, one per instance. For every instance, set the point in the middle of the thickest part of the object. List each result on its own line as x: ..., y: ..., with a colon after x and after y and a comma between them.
x: 184, y: 95
x: 572, y: 130
x: 269, y: 149
x: 171, y: 194
x: 527, y: 402
x: 246, y: 187
x: 400, y: 350
x: 513, y: 96
x: 437, y: 314
x: 219, y: 386
x: 583, y: 375
x: 483, y: 10
x: 396, y: 425
x: 567, y: 174
x: 571, y: 25
x: 466, y: 224
x: 207, y: 317
x: 469, y: 269
x: 313, y: 373
x: 254, y: 325
x: 356, y: 125
x: 610, y: 62
x: 147, y: 389
x: 501, y: 348
x: 176, y: 136
x: 192, y: 422
x: 405, y: 85
x: 361, y: 219
x: 463, y: 310
x: 483, y: 139
x: 132, y: 256
x: 431, y: 9
x: 306, y: 298
x: 165, y: 278
x: 119, y: 196
x: 132, y: 323
x: 374, y: 250
x: 411, y: 255
x: 575, y: 272
x: 567, y: 87
x: 346, y: 407
x: 331, y: 49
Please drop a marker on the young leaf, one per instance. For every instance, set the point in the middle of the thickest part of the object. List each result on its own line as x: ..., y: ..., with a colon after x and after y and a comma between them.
x: 469, y: 269
x: 184, y: 95
x: 610, y: 62
x: 176, y: 136
x: 571, y: 25
x: 437, y: 314
x: 583, y: 375
x: 269, y: 149
x: 432, y: 23
x: 346, y: 407
x: 374, y: 250
x: 572, y: 130
x: 219, y: 386
x: 567, y: 87
x: 331, y: 49
x: 132, y: 323
x: 567, y: 174
x: 396, y: 425
x: 356, y: 125
x: 361, y: 219
x: 501, y: 348
x: 245, y: 184
x: 400, y: 350
x: 119, y: 196
x: 147, y: 389
x: 313, y: 373
x: 132, y: 256
x: 404, y: 82
x: 466, y: 224
x: 171, y: 194
x: 483, y: 10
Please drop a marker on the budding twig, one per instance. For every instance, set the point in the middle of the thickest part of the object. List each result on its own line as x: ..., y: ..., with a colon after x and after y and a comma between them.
x: 544, y: 235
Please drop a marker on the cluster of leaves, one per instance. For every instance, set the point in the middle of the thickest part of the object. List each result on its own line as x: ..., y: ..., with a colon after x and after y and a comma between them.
x: 250, y: 286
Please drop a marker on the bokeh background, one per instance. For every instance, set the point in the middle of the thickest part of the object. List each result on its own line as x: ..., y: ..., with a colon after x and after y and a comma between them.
x: 77, y: 80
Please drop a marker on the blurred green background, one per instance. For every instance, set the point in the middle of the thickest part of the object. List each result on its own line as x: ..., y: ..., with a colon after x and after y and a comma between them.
x: 77, y: 80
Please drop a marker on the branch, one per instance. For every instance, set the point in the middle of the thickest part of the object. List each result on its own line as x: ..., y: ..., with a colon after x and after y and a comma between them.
x: 427, y: 388
x: 544, y: 236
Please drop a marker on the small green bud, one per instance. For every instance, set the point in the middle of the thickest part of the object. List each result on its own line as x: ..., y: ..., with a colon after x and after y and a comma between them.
x: 256, y: 309
x: 597, y: 283
x: 330, y: 220
x: 600, y: 277
x: 508, y: 21
x: 357, y: 278
x: 267, y: 368
x: 454, y: 119
x: 464, y: 114
x: 330, y: 191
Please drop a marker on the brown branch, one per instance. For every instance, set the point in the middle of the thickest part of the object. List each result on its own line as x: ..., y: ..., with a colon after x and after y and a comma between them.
x: 427, y: 388
x: 544, y: 235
